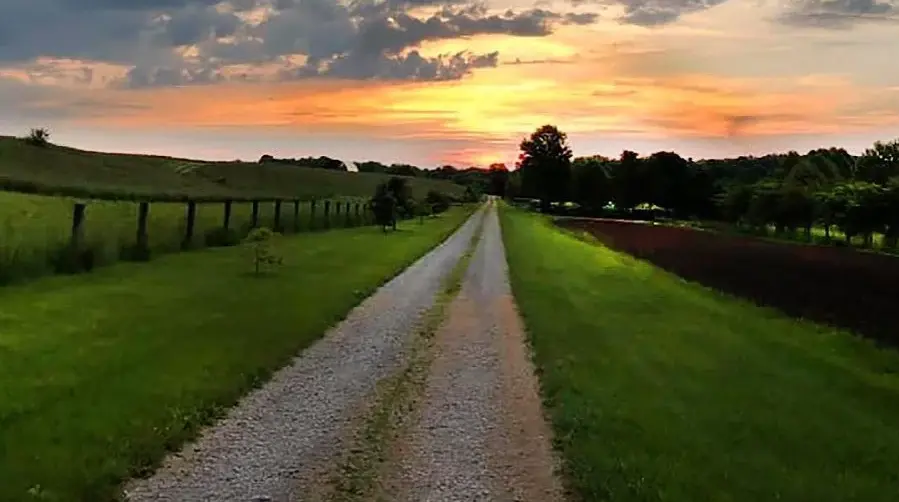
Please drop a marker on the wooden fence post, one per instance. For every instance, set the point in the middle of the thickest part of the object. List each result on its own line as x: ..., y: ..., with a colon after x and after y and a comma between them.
x: 77, y: 226
x: 296, y: 216
x: 189, y: 225
x: 142, y: 247
x: 254, y: 220
x: 327, y: 214
x: 226, y: 219
x: 312, y: 214
x: 277, y: 220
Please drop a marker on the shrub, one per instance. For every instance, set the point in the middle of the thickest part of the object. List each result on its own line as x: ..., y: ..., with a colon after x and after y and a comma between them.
x: 260, y: 241
x: 437, y: 201
x: 38, y: 137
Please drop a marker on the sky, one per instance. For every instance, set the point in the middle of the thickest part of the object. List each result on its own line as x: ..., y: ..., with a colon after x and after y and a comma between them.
x: 433, y: 82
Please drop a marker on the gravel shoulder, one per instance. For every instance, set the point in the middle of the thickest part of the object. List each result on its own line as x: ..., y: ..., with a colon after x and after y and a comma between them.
x: 480, y: 432
x: 279, y: 443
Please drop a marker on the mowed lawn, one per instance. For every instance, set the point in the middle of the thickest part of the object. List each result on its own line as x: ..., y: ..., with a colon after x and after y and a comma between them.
x: 101, y: 373
x: 662, y: 390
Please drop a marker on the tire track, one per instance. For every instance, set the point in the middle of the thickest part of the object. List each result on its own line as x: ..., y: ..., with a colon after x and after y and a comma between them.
x: 481, y: 435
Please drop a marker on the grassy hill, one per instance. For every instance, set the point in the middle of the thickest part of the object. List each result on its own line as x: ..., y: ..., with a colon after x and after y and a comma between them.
x: 57, y: 170
x: 40, y: 185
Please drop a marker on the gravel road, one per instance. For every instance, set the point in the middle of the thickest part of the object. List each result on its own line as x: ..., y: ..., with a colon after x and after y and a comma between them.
x: 277, y: 442
x: 481, y: 434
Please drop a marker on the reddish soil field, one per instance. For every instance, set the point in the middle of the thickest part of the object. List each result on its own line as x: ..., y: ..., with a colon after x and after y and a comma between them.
x: 840, y: 287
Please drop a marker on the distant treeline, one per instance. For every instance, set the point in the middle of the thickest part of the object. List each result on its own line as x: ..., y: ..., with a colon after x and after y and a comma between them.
x: 827, y: 187
x: 477, y: 179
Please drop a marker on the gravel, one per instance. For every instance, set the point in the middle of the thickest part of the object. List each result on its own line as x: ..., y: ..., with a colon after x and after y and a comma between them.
x: 481, y: 434
x: 276, y: 442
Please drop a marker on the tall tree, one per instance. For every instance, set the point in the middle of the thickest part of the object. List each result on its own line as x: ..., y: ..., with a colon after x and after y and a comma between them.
x: 592, y: 187
x: 546, y: 165
x: 630, y: 184
x: 499, y: 179
x: 880, y: 163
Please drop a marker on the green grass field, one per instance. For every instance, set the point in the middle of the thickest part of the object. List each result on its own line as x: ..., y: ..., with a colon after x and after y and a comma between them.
x: 67, y: 171
x: 103, y: 372
x: 662, y: 390
x: 34, y: 228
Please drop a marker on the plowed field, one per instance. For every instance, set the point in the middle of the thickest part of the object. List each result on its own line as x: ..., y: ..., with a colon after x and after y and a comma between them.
x: 839, y: 287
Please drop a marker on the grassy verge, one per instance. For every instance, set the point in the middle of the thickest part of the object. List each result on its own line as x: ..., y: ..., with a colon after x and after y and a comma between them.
x: 105, y: 372
x: 664, y: 390
x: 357, y: 475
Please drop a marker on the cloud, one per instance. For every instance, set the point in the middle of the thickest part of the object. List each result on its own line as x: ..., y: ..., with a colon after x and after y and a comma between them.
x: 838, y: 14
x: 650, y: 13
x: 660, y: 12
x: 188, y: 42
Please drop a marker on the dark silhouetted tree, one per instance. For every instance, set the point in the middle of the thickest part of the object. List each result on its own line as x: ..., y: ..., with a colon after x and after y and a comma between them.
x: 499, y: 180
x: 402, y: 194
x: 592, y: 187
x: 384, y: 207
x: 879, y: 163
x: 546, y: 165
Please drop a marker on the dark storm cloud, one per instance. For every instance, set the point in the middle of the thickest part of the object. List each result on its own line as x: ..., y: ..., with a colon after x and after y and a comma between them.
x: 838, y: 14
x: 359, y: 39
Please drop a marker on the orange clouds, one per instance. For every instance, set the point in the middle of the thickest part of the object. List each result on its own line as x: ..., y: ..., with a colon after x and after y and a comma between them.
x: 486, y: 114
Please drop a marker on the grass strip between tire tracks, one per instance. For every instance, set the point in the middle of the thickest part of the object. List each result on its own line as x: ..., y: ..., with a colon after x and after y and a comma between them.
x: 395, y: 401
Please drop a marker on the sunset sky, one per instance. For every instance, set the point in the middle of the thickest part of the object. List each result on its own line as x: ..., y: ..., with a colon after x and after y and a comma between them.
x: 431, y: 82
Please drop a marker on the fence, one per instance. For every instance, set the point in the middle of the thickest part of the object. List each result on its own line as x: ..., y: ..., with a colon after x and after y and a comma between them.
x: 203, y: 223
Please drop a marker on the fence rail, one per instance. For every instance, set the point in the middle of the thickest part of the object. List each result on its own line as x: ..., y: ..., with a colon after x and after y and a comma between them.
x: 85, y: 243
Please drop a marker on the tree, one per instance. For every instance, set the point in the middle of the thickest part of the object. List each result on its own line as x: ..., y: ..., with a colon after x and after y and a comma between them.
x: 546, y: 165
x: 384, y: 207
x: 667, y: 176
x: 403, y: 170
x: 592, y: 188
x: 890, y: 208
x: 499, y: 179
x: 630, y: 186
x: 880, y: 163
x: 260, y: 241
x: 371, y: 166
x: 402, y: 195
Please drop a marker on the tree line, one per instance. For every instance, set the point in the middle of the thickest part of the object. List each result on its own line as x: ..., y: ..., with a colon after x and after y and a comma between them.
x: 788, y: 192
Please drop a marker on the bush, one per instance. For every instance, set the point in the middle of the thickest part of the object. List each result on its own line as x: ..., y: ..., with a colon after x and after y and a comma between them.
x: 438, y: 202
x: 260, y: 241
x: 38, y: 137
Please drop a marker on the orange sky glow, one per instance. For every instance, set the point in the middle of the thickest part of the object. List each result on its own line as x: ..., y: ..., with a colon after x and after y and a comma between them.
x: 609, y: 86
